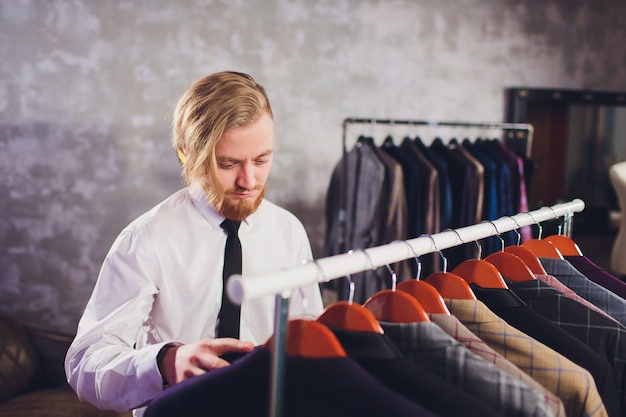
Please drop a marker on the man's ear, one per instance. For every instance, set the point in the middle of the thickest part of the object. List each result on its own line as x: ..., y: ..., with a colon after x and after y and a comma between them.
x: 181, y: 155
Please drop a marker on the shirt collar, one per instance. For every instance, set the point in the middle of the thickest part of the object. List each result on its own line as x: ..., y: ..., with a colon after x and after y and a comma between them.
x: 202, y: 204
x: 198, y: 197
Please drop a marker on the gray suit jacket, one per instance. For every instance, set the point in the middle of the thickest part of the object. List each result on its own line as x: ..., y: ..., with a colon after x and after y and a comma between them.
x: 427, y: 345
x: 370, y: 188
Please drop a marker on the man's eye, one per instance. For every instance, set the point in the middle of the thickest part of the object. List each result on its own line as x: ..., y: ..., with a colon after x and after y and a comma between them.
x: 260, y: 161
x: 226, y: 165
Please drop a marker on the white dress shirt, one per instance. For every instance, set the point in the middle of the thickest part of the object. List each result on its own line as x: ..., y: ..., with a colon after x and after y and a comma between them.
x: 162, y: 282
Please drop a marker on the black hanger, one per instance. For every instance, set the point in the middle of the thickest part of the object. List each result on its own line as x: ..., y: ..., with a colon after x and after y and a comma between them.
x: 388, y: 141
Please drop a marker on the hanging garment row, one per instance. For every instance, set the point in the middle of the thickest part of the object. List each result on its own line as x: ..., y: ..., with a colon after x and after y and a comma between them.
x: 378, y: 194
x: 492, y: 337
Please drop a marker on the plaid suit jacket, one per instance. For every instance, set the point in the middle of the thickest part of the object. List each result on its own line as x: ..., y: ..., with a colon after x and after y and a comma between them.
x: 598, y: 275
x: 601, y: 334
x: 427, y: 345
x: 608, y: 301
x: 567, y: 291
x: 573, y: 384
x: 451, y: 325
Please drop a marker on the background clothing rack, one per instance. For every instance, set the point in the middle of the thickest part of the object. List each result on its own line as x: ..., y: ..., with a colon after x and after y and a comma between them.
x: 281, y: 283
x: 460, y: 199
x: 517, y: 137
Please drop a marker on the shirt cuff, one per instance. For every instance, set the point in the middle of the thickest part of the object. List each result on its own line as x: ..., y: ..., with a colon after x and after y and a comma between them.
x: 159, y: 360
x: 148, y: 374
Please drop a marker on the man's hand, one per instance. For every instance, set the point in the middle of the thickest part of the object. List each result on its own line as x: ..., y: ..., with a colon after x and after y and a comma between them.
x: 183, y: 362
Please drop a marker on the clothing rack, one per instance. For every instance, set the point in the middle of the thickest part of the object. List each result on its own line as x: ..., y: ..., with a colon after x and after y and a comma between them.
x: 518, y: 138
x: 281, y: 283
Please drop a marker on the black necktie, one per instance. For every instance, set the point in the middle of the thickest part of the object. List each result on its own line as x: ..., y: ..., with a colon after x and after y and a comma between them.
x: 229, y: 312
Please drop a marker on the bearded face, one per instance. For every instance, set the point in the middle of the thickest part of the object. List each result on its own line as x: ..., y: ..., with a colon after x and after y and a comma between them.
x: 244, y: 161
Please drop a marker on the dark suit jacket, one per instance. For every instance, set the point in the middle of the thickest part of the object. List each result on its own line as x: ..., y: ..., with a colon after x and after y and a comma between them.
x: 490, y: 206
x: 461, y: 179
x: 460, y: 174
x: 511, y: 161
x: 429, y: 191
x: 332, y: 387
x: 380, y: 357
x: 431, y: 201
x: 490, y: 203
x: 445, y: 188
x: 503, y: 180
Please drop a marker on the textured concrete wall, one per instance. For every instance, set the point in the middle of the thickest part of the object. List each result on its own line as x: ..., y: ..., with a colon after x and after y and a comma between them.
x: 87, y: 88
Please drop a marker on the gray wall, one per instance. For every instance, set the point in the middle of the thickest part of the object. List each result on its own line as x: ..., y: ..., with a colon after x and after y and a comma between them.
x: 87, y: 88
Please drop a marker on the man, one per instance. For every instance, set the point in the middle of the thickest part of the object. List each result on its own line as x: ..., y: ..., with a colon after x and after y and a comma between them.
x: 153, y: 317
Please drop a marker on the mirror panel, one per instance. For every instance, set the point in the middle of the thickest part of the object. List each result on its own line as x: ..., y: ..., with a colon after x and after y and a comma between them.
x: 577, y: 136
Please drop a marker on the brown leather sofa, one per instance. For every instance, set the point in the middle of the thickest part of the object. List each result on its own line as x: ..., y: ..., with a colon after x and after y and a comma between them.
x: 32, y: 378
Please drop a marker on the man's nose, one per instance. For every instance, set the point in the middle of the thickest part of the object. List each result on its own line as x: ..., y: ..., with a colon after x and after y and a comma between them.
x: 246, y: 178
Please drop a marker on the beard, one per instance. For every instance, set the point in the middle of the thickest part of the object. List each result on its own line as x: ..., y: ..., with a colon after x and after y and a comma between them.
x: 240, y: 209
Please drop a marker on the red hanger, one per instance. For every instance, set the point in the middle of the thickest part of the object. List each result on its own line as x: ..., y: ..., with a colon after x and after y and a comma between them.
x: 310, y: 339
x: 396, y: 307
x: 529, y: 258
x: 481, y: 273
x: 350, y: 316
x: 427, y: 295
x: 511, y: 266
x: 565, y: 245
x: 448, y: 284
x: 542, y: 248
x: 451, y: 285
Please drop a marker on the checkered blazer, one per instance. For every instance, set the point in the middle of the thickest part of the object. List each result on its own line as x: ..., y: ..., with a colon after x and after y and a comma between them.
x: 567, y: 291
x: 608, y: 301
x: 573, y: 384
x: 601, y: 334
x: 451, y: 325
x: 428, y: 346
x: 598, y: 275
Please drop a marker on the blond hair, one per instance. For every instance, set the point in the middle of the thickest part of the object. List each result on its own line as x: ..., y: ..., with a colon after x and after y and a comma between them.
x: 209, y: 107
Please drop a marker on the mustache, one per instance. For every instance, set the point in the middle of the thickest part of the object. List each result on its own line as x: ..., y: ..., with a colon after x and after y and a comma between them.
x: 238, y: 190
